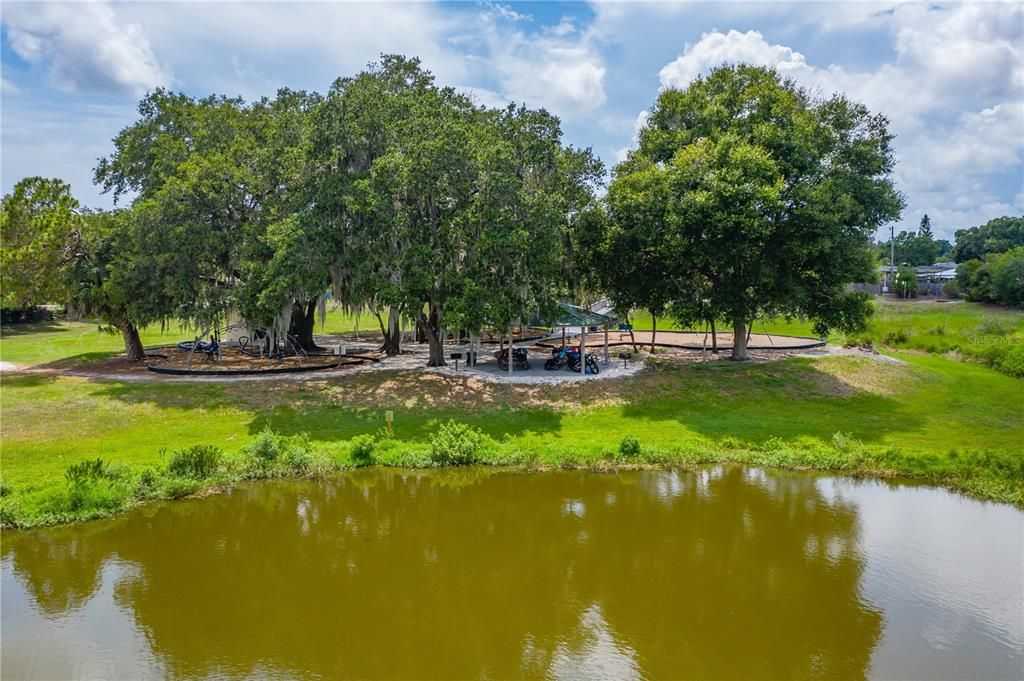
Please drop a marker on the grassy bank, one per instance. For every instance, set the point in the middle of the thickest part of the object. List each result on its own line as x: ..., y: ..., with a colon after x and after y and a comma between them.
x: 933, y: 417
x: 985, y: 334
x: 951, y: 423
x: 975, y: 332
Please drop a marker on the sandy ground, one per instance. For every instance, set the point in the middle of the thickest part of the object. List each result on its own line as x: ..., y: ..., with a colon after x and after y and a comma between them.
x: 415, y: 358
x: 487, y: 369
x: 696, y: 340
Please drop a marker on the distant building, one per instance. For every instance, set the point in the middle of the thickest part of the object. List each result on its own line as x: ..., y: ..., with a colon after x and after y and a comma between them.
x: 932, y: 274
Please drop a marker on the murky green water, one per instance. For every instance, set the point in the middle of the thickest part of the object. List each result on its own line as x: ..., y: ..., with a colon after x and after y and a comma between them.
x: 720, y: 573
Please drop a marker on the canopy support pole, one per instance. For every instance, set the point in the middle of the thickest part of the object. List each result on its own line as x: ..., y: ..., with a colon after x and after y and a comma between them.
x: 583, y: 351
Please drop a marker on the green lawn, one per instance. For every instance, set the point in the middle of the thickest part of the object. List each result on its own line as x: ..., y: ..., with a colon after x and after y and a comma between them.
x: 987, y: 334
x: 918, y: 318
x: 71, y: 342
x: 952, y: 422
x: 641, y: 320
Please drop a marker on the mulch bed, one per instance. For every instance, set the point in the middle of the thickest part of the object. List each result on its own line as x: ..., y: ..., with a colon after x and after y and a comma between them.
x: 232, y: 361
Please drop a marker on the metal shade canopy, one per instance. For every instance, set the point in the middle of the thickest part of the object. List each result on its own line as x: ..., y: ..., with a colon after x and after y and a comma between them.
x: 573, y: 315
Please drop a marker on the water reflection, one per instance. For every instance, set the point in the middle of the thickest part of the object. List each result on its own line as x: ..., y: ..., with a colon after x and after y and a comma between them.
x: 718, y: 573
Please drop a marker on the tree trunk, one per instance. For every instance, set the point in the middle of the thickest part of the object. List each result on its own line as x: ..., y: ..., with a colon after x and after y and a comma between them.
x: 302, y: 324
x: 714, y: 337
x: 430, y: 327
x: 739, y: 341
x: 133, y: 350
x: 654, y: 331
x: 392, y: 333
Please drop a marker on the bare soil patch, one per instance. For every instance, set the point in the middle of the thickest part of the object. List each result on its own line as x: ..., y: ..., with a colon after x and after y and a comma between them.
x: 231, y: 359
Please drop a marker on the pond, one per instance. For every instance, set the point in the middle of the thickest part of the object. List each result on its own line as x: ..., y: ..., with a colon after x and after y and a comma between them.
x: 722, y: 572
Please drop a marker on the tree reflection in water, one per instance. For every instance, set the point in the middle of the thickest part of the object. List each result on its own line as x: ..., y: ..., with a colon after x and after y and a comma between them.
x: 715, y: 573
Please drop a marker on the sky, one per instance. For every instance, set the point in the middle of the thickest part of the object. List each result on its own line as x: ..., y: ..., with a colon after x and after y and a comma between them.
x: 950, y: 77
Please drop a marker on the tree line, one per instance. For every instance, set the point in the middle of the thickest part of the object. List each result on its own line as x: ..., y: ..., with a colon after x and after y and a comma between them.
x: 746, y: 197
x: 975, y: 243
x: 915, y: 248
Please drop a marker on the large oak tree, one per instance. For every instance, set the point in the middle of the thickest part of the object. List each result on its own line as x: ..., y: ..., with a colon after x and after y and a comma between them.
x: 442, y: 211
x: 770, y: 198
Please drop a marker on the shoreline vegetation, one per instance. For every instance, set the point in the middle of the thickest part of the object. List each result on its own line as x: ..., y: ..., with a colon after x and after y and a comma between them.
x: 95, y: 489
x: 76, y: 449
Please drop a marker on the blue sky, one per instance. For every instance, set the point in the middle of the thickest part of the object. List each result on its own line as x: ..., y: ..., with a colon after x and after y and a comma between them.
x: 950, y: 77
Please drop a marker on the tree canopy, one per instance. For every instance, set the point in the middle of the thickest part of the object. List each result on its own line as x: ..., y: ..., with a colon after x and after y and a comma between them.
x: 40, y: 224
x: 449, y: 213
x: 746, y: 197
x: 762, y: 198
x: 217, y: 187
x: 995, y: 236
x: 925, y: 228
x: 911, y: 248
x: 763, y: 201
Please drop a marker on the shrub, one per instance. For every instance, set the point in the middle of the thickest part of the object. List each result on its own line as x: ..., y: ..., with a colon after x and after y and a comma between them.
x: 295, y: 452
x: 147, y: 482
x: 1008, y: 278
x: 406, y: 454
x: 264, y: 448
x: 994, y: 326
x: 85, y: 472
x: 179, y: 488
x: 841, y: 440
x: 319, y: 465
x: 1011, y: 361
x: 5, y: 489
x: 93, y: 489
x: 361, y: 452
x: 9, y: 515
x: 951, y: 289
x: 196, y: 462
x: 906, y: 282
x: 455, y: 444
x: 897, y: 337
x: 730, y: 442
x: 629, y: 447
x: 96, y: 497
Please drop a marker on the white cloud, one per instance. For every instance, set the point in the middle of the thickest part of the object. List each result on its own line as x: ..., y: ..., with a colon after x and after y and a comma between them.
x: 977, y: 143
x: 302, y: 45
x: 714, y: 49
x: 972, y: 47
x: 949, y: 78
x: 58, y: 141
x: 85, y: 46
x: 954, y: 93
x: 883, y: 90
x: 483, y: 96
x: 558, y: 67
x: 496, y: 51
